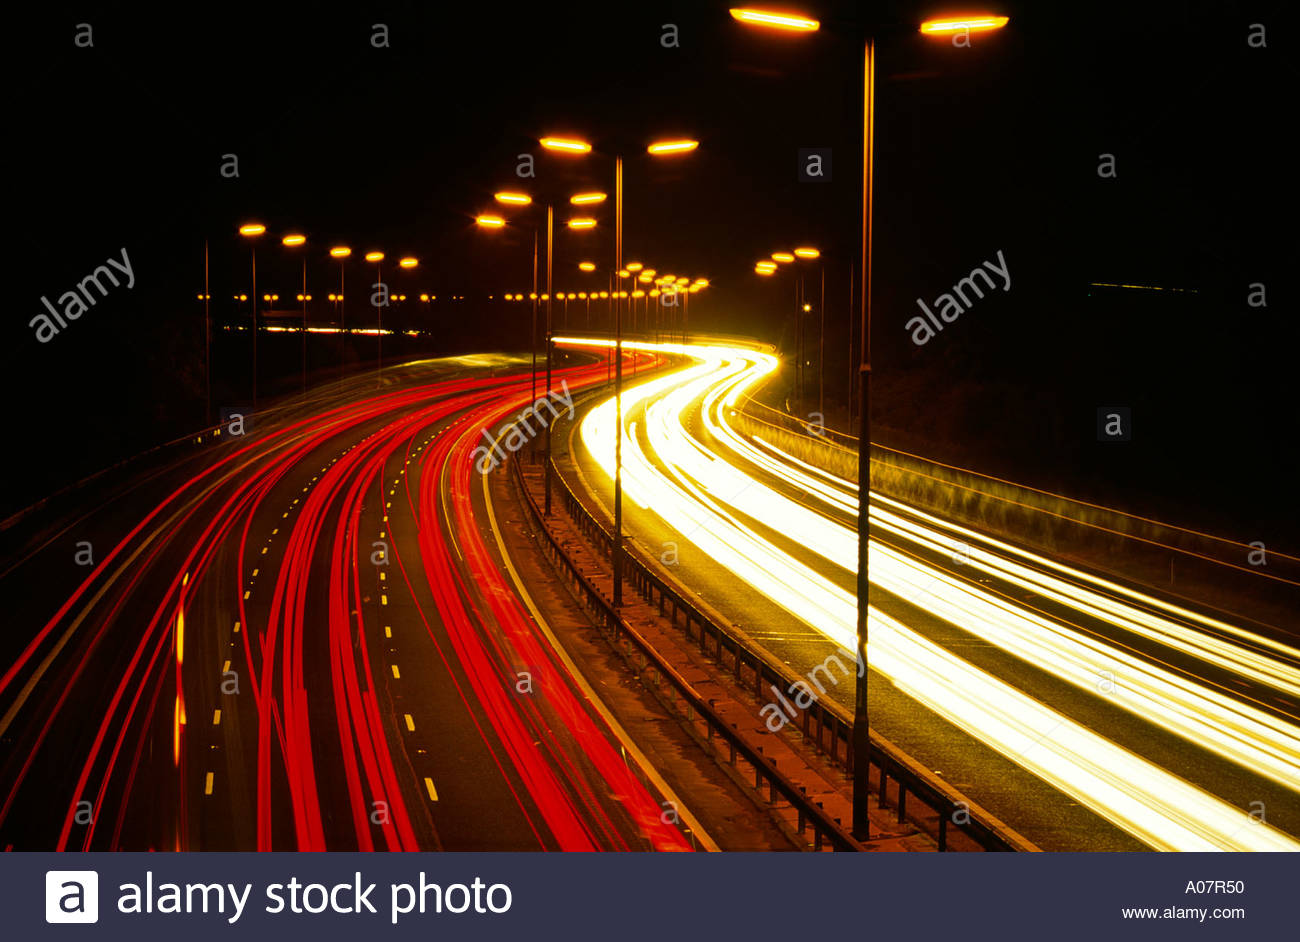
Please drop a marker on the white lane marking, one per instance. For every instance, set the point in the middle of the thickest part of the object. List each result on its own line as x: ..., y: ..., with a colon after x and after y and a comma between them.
x: 707, y: 842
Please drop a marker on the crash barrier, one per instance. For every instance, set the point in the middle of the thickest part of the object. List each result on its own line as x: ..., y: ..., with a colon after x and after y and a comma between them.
x: 824, y: 725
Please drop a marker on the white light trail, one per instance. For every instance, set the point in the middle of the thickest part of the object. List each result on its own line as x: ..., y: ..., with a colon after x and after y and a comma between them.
x: 692, y: 492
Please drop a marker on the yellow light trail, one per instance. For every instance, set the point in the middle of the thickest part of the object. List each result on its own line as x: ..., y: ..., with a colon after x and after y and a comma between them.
x: 1148, y: 801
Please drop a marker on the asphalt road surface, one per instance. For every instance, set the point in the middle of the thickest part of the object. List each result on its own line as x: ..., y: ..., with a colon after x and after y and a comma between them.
x: 301, y: 638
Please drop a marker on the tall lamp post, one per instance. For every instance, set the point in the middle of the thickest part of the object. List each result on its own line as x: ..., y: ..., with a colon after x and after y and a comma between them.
x: 407, y: 263
x: 207, y: 340
x: 251, y: 230
x: 577, y: 147
x: 377, y: 258
x: 341, y: 253
x: 807, y: 252
x: 945, y: 27
x: 292, y: 241
x: 509, y: 198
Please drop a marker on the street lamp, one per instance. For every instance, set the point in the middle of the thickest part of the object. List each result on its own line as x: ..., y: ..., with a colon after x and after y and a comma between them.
x: 774, y: 20
x: 207, y: 340
x: 786, y: 21
x: 378, y: 257
x: 341, y: 252
x: 565, y: 145
x: 293, y: 241
x: 251, y: 230
x: 496, y: 222
x: 579, y: 147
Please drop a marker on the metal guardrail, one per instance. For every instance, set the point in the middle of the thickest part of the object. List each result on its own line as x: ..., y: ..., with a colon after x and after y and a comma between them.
x: 824, y: 724
x: 825, y: 830
x: 775, y: 418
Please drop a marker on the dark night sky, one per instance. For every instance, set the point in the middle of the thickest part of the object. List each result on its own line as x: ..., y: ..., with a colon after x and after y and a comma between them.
x: 980, y: 149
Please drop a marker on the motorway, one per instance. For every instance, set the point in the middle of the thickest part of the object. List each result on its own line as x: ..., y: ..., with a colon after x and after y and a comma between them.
x: 303, y: 638
x: 1086, y: 714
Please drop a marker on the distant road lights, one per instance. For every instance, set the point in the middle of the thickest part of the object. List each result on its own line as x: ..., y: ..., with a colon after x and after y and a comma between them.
x: 512, y: 198
x: 624, y: 273
x: 582, y: 295
x: 243, y: 297
x: 974, y: 24
x: 587, y: 266
x: 252, y: 229
x: 683, y: 280
x: 546, y: 296
x: 585, y: 199
x: 294, y: 239
x: 340, y: 251
x: 775, y: 20
x: 633, y: 266
x: 784, y: 257
x: 654, y: 292
x: 807, y: 252
x: 565, y: 145
x: 374, y: 256
x: 807, y: 308
x: 408, y: 261
x: 604, y: 294
x: 490, y: 222
x: 582, y: 222
x: 424, y: 298
x: 702, y: 282
x: 672, y: 147
x: 650, y: 272
x: 694, y: 289
x: 638, y: 293
x: 532, y: 296
x: 644, y: 278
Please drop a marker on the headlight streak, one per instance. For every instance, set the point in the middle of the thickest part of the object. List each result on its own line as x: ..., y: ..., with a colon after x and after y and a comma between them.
x: 1151, y: 803
x: 1239, y: 732
x: 1263, y: 669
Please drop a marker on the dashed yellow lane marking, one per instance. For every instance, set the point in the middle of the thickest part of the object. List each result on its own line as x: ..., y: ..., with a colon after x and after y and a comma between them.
x: 207, y: 785
x: 397, y: 675
x: 428, y: 785
x: 216, y: 717
x: 410, y: 723
x: 388, y: 631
